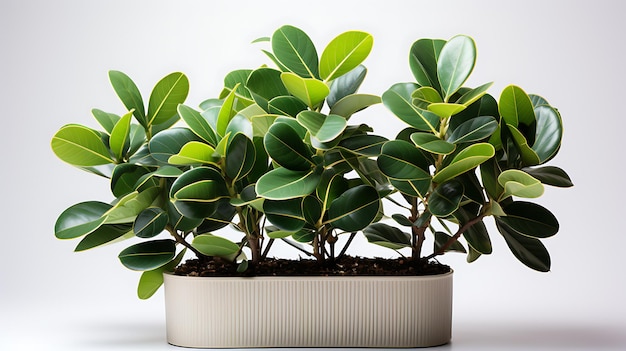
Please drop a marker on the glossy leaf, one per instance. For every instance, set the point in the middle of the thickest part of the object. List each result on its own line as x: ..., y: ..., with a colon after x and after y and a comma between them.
x: 413, y: 188
x: 105, y: 234
x: 351, y: 104
x: 106, y: 120
x: 474, y: 130
x: 364, y: 145
x: 402, y: 161
x: 442, y: 238
x: 515, y: 106
x: 323, y: 128
x: 283, y: 184
x: 128, y: 92
x: 310, y: 90
x: 194, y: 153
x: 423, y: 59
x: 240, y: 157
x: 431, y: 143
x: 286, y: 106
x: 529, y: 156
x: 196, y: 192
x: 474, y: 95
x: 303, y: 235
x: 152, y: 280
x: 127, y: 208
x: 126, y: 178
x: 150, y: 222
x: 477, y: 237
x: 80, y: 219
x: 455, y: 64
x: 345, y: 85
x: 387, y: 236
x: 331, y: 186
x: 239, y: 124
x: 180, y: 222
x: 212, y: 245
x: 148, y: 255
x: 170, y: 142
x: 355, y: 209
x: 295, y: 51
x: 551, y: 175
x: 344, y: 53
x: 446, y: 198
x: 285, y: 214
x: 519, y: 183
x: 236, y: 80
x: 467, y: 159
x: 285, y: 147
x: 264, y: 85
x: 119, y: 140
x: 198, y: 124
x: 529, y: 251
x: 549, y: 133
x: 80, y: 146
x: 398, y: 99
x: 530, y: 219
x: 446, y: 110
x: 165, y: 97
x: 225, y: 114
x: 424, y: 96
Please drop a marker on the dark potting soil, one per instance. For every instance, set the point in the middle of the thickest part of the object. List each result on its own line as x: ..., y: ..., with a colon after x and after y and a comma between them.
x: 345, y: 266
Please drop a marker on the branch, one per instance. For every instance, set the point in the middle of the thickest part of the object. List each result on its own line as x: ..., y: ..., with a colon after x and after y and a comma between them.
x: 182, y: 241
x: 456, y: 236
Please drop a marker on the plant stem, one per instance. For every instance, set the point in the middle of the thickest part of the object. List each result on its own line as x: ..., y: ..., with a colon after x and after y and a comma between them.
x: 345, y: 247
x: 182, y: 241
x: 456, y: 236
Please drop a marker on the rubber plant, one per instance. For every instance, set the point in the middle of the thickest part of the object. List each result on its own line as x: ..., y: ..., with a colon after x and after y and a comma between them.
x: 308, y: 101
x: 184, y: 181
x: 465, y: 156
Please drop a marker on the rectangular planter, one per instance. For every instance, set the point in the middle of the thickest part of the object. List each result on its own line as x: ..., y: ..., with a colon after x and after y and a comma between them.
x: 211, y: 312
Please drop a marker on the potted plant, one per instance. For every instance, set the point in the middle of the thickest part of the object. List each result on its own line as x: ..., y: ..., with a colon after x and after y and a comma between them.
x: 276, y: 158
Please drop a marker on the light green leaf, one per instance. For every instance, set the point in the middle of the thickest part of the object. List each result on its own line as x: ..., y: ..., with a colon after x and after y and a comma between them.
x: 344, y: 53
x: 474, y: 95
x: 295, y: 51
x: 519, y: 183
x: 398, y: 100
x: 169, y: 142
x: 529, y: 156
x: 431, y: 143
x: 128, y: 207
x: 212, y: 245
x: 323, y: 128
x: 120, y: 136
x: 425, y: 96
x: 226, y: 113
x: 198, y: 124
x: 455, y: 64
x: 310, y: 90
x: 194, y: 153
x: 80, y: 146
x: 465, y: 160
x: 165, y: 97
x: 445, y: 110
x: 151, y: 281
x: 351, y: 104
x: 106, y: 120
x: 515, y: 106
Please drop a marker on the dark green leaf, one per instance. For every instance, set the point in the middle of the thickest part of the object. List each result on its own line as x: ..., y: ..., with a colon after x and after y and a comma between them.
x: 529, y: 251
x: 398, y: 99
x: 345, y: 85
x: 364, y: 145
x: 240, y: 156
x: 446, y: 198
x: 549, y: 133
x: 530, y: 219
x: 401, y: 160
x: 431, y: 143
x: 106, y: 120
x: 295, y: 50
x: 285, y: 147
x: 128, y: 92
x: 475, y: 129
x: 170, y: 142
x: 442, y: 238
x: 264, y: 85
x: 387, y: 236
x: 125, y: 178
x: 423, y: 61
x: 286, y: 106
x: 283, y: 184
x: 150, y: 222
x: 80, y: 219
x: 103, y: 235
x: 355, y: 209
x: 550, y: 175
x: 198, y: 124
x: 285, y: 214
x: 148, y: 255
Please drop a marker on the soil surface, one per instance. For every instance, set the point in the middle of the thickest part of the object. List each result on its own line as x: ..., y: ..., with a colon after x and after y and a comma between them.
x: 346, y: 266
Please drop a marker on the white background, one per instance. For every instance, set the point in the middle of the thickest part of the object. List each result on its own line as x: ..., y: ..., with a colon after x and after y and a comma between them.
x: 54, y: 58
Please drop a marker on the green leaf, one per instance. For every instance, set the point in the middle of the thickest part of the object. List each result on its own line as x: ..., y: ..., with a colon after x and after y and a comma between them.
x: 477, y: 238
x: 515, y: 106
x: 303, y: 235
x: 446, y: 198
x: 278, y: 234
x: 345, y: 85
x: 529, y: 251
x: 283, y: 184
x: 127, y: 91
x: 198, y: 124
x: 473, y: 130
x: 455, y: 64
x: 431, y: 143
x: 519, y: 183
x: 442, y: 238
x: 530, y: 219
x: 398, y: 99
x: 150, y: 222
x: 212, y: 245
x: 551, y: 175
x: 423, y: 59
x: 445, y: 110
x: 529, y: 156
x: 165, y: 97
x: 264, y: 85
x: 201, y: 185
x: 126, y: 179
x: 240, y: 157
x: 295, y: 51
x: 285, y: 214
x: 148, y: 255
x: 351, y: 104
x: 180, y: 222
x: 105, y: 234
x: 330, y: 187
x: 194, y: 153
x: 424, y: 96
x: 285, y: 147
x: 106, y: 120
x: 80, y: 146
x: 80, y: 219
x: 465, y: 160
x: 240, y: 124
x: 549, y: 133
x: 474, y: 95
x: 309, y: 90
x: 344, y: 53
x: 364, y: 145
x: 236, y: 80
x: 401, y: 160
x: 323, y: 128
x: 127, y: 208
x: 387, y: 236
x: 355, y: 209
x: 169, y: 142
x: 225, y: 114
x: 286, y: 106
x: 151, y: 281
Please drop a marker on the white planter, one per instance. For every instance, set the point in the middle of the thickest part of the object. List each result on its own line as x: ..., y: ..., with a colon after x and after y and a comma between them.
x: 308, y: 311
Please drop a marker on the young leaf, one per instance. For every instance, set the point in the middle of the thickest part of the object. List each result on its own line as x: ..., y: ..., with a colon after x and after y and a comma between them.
x: 465, y: 160
x: 515, y: 106
x: 166, y: 95
x: 519, y: 183
x: 80, y: 146
x: 455, y: 64
x: 398, y: 99
x: 295, y: 51
x: 431, y: 143
x: 128, y: 92
x: 344, y: 53
x: 310, y: 90
x: 119, y: 141
x: 198, y: 124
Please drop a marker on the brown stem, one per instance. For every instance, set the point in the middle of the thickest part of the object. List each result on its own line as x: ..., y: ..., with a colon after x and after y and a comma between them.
x: 182, y: 241
x: 456, y: 236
